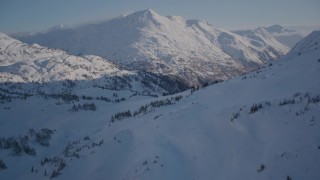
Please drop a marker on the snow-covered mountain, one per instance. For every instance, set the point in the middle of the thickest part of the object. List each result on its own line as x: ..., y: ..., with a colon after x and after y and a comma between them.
x: 33, y: 65
x: 261, y: 125
x: 288, y: 37
x: 25, y: 63
x: 192, y: 51
x: 291, y: 35
x: 278, y: 29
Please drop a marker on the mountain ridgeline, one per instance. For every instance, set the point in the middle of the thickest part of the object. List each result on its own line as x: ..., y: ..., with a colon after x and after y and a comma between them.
x: 191, y: 52
x: 33, y: 68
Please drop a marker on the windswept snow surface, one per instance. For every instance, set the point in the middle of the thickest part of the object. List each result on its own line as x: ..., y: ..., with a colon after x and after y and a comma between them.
x: 191, y: 50
x: 212, y: 133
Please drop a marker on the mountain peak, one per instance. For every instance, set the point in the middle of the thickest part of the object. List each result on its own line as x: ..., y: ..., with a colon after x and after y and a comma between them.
x: 277, y: 29
x: 146, y: 13
x: 276, y: 26
x: 145, y: 17
x: 56, y: 27
x: 150, y: 11
x: 171, y: 46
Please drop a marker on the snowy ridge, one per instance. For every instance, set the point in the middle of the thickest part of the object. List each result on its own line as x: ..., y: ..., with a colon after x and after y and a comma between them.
x: 39, y: 64
x: 34, y: 65
x: 190, y: 50
x: 308, y: 44
x: 262, y: 38
x: 261, y: 125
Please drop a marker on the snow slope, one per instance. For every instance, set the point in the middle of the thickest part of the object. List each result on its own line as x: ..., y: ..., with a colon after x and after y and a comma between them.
x: 41, y: 64
x: 219, y: 132
x: 309, y: 44
x: 33, y: 65
x: 191, y: 50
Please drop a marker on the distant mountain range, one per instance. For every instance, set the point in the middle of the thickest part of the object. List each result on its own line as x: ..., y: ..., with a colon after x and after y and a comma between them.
x: 288, y: 37
x: 190, y: 51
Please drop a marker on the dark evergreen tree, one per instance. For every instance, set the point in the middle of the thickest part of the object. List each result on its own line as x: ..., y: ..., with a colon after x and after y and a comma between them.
x: 2, y: 165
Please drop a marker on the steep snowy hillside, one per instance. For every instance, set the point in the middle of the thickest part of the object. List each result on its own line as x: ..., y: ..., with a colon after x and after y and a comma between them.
x: 32, y: 66
x: 309, y: 44
x: 261, y: 125
x: 191, y: 50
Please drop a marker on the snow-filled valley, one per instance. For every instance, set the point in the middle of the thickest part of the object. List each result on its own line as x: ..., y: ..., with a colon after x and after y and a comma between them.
x: 261, y: 125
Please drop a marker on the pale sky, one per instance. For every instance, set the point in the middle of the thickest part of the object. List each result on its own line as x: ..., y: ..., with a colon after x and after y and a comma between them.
x: 37, y: 15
